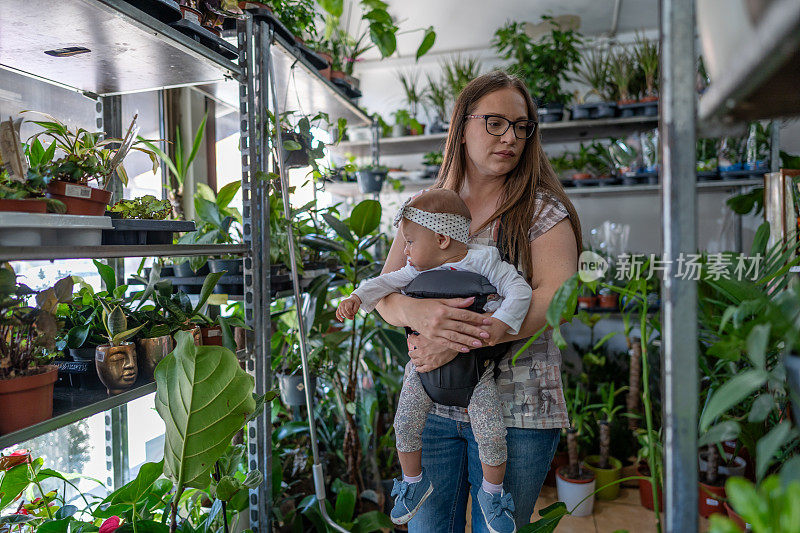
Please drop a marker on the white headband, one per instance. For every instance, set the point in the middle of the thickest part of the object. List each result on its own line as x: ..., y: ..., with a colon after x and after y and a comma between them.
x: 454, y: 226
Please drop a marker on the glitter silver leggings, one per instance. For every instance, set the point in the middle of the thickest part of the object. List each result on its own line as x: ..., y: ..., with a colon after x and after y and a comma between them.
x: 485, y: 415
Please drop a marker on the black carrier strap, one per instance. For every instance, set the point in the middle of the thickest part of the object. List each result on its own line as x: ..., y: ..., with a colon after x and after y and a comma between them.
x: 453, y: 383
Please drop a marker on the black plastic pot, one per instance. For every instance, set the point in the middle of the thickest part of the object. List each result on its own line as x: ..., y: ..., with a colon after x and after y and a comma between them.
x: 792, y: 364
x: 551, y: 113
x: 231, y: 266
x: 184, y: 270
x: 82, y: 354
x: 295, y: 158
x: 605, y: 110
x: 292, y: 388
x: 371, y: 181
x: 166, y: 11
x: 581, y: 111
x: 140, y: 232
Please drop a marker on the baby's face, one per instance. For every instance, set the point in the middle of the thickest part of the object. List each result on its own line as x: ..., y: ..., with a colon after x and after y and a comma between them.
x: 421, y: 246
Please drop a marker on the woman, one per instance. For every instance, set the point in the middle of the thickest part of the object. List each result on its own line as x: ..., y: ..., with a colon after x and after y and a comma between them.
x: 494, y: 160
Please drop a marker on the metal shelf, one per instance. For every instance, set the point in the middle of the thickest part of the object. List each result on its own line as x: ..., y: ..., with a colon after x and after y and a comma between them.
x: 71, y: 405
x: 762, y: 82
x: 552, y: 132
x: 32, y: 253
x: 350, y: 189
x: 130, y: 51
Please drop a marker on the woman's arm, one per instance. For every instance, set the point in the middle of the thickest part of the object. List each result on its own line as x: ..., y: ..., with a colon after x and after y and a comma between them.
x: 555, y: 260
x: 440, y: 320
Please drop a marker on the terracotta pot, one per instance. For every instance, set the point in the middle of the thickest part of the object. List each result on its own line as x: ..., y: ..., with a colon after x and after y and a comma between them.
x: 326, y: 72
x: 116, y: 366
x: 240, y: 337
x: 27, y: 400
x: 80, y: 199
x: 337, y: 75
x: 191, y: 14
x: 736, y: 517
x: 28, y: 205
x: 196, y: 334
x: 254, y: 5
x: 608, y: 301
x: 299, y: 40
x: 211, y: 336
x: 415, y: 131
x: 649, y: 99
x: 581, y: 176
x: 151, y: 351
x: 646, y: 490
x: 709, y: 499
x: 585, y: 302
x: 560, y: 459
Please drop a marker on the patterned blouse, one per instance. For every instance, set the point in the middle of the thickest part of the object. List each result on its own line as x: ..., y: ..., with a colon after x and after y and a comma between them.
x: 530, y: 391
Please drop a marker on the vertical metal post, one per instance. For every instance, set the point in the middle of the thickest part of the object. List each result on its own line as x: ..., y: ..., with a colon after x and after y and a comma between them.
x: 256, y: 265
x: 775, y: 146
x: 116, y: 439
x: 162, y: 134
x: 375, y: 145
x: 680, y: 373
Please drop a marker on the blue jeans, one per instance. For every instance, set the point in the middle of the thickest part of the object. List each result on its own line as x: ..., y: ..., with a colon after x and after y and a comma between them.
x: 450, y: 459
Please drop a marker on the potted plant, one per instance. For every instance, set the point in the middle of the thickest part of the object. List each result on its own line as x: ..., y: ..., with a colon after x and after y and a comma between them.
x: 414, y: 94
x: 647, y: 57
x: 438, y: 96
x: 190, y: 11
x: 768, y: 506
x: 116, y: 361
x: 607, y: 299
x: 544, y: 65
x: 594, y: 72
x: 586, y: 299
x: 622, y: 70
x: 433, y: 162
x: 86, y: 157
x: 27, y: 344
x: 371, y: 178
x: 83, y: 330
x: 575, y: 484
x: 606, y: 468
x: 651, y: 454
x: 27, y: 194
x: 405, y: 124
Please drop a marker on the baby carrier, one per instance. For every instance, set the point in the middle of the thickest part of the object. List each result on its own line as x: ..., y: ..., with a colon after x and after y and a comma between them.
x: 453, y: 383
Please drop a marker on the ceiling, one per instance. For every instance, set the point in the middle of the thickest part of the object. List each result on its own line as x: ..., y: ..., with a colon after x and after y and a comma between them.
x: 469, y: 24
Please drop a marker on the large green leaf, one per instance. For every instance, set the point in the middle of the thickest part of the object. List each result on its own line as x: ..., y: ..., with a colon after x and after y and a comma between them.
x: 339, y: 227
x: 731, y: 393
x: 12, y: 483
x: 208, y: 287
x: 372, y: 521
x: 769, y: 445
x: 226, y: 194
x: 139, y: 487
x: 204, y: 398
x: 551, y: 516
x: 365, y: 217
x: 427, y: 42
x: 107, y: 275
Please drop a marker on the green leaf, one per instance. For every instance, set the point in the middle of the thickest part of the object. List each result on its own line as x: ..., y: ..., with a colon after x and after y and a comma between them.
x: 365, y: 217
x: 427, y: 42
x: 139, y: 487
x: 204, y: 398
x: 334, y: 7
x: 383, y: 38
x: 743, y: 497
x: 208, y: 287
x: 208, y: 212
x: 287, y: 429
x: 66, y: 511
x: 292, y: 146
x: 757, y: 345
x: 761, y: 408
x: 760, y: 240
x: 107, y: 275
x: 769, y: 445
x: 551, y: 516
x: 722, y: 524
x: 12, y: 483
x: 345, y: 502
x: 77, y: 336
x: 372, y: 521
x: 731, y: 393
x: 339, y: 227
x: 226, y: 194
x: 727, y: 430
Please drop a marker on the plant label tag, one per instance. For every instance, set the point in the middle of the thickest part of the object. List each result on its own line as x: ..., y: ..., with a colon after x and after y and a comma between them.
x: 712, y: 502
x: 77, y: 191
x: 100, y: 356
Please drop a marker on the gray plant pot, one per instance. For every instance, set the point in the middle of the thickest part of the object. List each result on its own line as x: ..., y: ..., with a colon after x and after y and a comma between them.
x: 370, y: 181
x: 293, y: 391
x: 82, y: 354
x: 792, y: 364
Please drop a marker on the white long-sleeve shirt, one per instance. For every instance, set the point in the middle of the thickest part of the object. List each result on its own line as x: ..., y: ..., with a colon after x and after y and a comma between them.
x: 484, y: 260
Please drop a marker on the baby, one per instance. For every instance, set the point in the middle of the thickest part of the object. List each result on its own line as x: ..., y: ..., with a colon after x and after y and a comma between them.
x: 435, y: 227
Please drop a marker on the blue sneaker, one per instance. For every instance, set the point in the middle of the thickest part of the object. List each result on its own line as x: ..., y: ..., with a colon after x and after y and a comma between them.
x: 408, y: 498
x: 497, y: 509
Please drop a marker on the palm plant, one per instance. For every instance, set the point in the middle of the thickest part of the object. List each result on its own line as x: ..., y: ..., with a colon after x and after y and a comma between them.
x: 622, y: 69
x: 438, y: 96
x: 647, y: 55
x: 594, y: 72
x: 608, y: 409
x: 414, y: 94
x: 459, y: 71
x: 179, y: 166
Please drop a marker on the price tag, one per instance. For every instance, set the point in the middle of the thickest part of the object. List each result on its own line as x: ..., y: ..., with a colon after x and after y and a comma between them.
x: 709, y: 501
x: 77, y: 191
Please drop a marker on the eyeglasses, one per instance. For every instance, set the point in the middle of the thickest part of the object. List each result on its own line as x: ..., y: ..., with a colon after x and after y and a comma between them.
x: 497, y: 126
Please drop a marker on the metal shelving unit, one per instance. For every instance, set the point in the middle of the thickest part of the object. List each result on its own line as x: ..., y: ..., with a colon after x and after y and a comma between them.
x: 130, y: 51
x: 552, y: 132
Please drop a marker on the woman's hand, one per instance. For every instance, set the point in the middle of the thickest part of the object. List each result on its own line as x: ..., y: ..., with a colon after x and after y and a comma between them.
x: 428, y: 355
x: 445, y: 322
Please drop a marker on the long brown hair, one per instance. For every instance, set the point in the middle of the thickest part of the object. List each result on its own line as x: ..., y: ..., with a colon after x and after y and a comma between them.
x: 532, y: 174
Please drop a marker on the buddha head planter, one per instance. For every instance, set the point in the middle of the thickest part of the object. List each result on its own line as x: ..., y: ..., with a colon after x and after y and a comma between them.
x: 116, y: 366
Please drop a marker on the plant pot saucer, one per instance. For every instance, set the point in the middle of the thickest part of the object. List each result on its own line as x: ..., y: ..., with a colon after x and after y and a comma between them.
x: 166, y: 11
x: 206, y: 38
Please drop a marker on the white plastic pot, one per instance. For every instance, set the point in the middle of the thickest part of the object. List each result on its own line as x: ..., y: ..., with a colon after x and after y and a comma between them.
x: 572, y: 492
x: 36, y: 229
x: 736, y: 469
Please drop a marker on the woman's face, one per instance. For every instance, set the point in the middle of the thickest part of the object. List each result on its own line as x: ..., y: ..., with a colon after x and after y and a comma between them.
x: 489, y: 154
